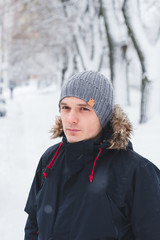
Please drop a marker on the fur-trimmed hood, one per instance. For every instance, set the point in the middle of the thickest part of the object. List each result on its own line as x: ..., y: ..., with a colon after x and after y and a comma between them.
x: 122, y: 129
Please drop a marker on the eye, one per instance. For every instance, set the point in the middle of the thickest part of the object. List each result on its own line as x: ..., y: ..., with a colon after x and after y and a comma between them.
x: 64, y: 107
x: 84, y: 109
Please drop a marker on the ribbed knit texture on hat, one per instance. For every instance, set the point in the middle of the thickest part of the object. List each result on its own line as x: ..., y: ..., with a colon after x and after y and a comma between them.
x: 91, y: 85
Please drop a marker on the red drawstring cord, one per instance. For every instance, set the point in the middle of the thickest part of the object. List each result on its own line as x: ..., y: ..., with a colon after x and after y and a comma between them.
x: 53, y: 160
x: 55, y: 156
x: 91, y: 176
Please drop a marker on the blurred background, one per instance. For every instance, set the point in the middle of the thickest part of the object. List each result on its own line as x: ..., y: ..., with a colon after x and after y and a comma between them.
x: 42, y: 43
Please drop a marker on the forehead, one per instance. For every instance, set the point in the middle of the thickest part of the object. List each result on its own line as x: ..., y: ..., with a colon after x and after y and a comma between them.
x: 73, y: 101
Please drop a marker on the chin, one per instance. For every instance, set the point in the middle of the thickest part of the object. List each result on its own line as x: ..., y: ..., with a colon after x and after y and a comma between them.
x: 74, y: 139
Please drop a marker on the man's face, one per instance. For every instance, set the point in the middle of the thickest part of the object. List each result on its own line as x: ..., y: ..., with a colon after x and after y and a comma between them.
x: 79, y: 120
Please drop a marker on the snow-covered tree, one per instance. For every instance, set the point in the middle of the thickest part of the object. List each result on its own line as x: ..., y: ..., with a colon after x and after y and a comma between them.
x: 50, y: 40
x: 39, y: 34
x: 6, y: 20
x: 146, y: 40
x: 89, y: 36
x: 118, y: 45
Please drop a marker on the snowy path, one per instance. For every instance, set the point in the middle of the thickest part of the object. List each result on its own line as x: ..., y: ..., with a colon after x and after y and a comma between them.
x: 24, y: 136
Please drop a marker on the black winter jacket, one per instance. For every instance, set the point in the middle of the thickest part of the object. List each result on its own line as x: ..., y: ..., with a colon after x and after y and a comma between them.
x: 92, y: 192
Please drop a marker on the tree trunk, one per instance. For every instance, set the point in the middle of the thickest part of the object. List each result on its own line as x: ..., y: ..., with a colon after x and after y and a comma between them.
x: 110, y: 42
x: 142, y: 47
x: 117, y: 51
x: 144, y: 99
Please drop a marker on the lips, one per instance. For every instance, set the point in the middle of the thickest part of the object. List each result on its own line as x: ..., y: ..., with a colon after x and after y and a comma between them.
x: 73, y: 130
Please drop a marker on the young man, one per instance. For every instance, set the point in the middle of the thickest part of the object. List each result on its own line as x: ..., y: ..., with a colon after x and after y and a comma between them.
x: 93, y: 186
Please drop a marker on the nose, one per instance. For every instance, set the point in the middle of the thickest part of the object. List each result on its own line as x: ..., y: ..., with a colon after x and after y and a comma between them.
x: 72, y: 117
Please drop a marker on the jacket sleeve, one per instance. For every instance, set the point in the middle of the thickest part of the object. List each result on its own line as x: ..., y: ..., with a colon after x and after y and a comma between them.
x: 146, y: 203
x: 31, y: 228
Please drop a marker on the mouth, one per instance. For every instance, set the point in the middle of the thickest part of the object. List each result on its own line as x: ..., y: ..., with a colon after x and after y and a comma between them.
x: 73, y: 130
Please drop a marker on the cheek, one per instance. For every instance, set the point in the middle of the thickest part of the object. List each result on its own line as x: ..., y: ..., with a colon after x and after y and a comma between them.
x: 63, y: 124
x: 93, y: 126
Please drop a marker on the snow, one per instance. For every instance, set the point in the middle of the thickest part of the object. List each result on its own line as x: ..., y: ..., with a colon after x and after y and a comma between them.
x: 24, y: 136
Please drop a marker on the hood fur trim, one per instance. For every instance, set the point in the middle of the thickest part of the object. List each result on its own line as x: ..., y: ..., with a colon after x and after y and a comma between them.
x: 122, y: 129
x: 57, y: 129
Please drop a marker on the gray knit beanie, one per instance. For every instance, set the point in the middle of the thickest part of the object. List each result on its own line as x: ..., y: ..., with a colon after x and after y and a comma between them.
x: 95, y: 89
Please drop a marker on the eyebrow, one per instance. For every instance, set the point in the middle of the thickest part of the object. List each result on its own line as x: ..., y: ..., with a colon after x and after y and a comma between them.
x: 79, y: 104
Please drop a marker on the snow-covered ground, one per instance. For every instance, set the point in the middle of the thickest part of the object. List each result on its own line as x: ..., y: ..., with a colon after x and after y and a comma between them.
x: 24, y: 136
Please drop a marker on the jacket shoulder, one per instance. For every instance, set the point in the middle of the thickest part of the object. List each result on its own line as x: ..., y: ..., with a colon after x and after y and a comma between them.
x: 128, y: 168
x: 138, y: 161
x: 131, y: 159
